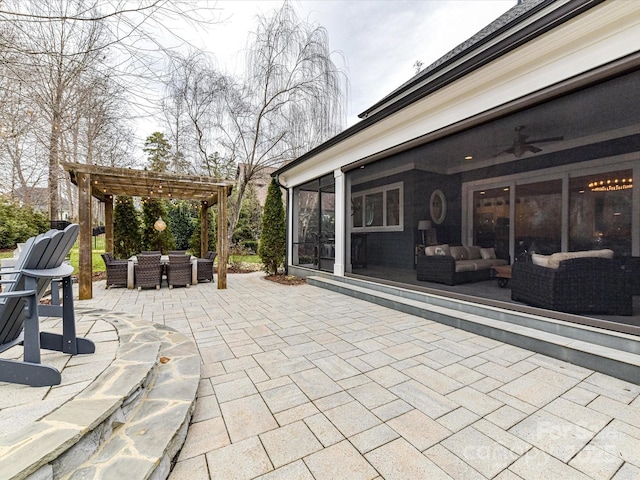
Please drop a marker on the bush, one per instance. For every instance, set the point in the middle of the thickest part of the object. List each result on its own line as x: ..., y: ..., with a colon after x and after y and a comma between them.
x: 250, y: 245
x: 18, y: 223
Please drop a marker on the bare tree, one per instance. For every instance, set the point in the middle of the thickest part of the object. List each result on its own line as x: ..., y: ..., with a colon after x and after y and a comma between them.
x: 194, y: 93
x: 54, y: 50
x: 289, y: 100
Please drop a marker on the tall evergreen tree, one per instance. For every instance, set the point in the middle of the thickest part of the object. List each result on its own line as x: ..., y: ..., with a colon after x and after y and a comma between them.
x: 273, y: 239
x: 126, y: 228
x: 182, y: 216
x: 158, y: 152
x: 152, y: 239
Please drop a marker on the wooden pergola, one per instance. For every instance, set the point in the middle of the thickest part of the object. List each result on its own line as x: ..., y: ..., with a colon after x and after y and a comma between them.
x: 103, y: 183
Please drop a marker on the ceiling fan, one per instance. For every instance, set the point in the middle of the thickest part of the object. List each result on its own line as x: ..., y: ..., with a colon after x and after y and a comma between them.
x: 521, y: 145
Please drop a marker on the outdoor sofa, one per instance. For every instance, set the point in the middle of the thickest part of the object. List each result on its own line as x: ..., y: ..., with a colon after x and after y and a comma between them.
x: 452, y: 265
x: 574, y: 282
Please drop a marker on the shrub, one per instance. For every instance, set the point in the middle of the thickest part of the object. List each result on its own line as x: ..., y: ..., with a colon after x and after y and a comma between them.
x: 18, y: 223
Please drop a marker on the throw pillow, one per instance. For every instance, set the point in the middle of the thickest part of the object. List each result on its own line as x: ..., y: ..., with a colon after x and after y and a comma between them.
x: 431, y: 250
x: 542, y: 260
x: 475, y: 253
x: 488, y: 253
x: 459, y: 253
x: 443, y: 249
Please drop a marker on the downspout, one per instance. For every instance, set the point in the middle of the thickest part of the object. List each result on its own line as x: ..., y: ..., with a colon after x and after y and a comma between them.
x: 286, y: 219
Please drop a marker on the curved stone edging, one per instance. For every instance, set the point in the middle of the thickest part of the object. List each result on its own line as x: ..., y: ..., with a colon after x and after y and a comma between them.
x: 137, y: 403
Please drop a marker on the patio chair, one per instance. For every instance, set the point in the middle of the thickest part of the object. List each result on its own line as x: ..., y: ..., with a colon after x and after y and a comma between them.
x: 150, y: 252
x: 205, y: 267
x: 148, y: 271
x: 116, y: 271
x: 179, y: 270
x: 177, y: 252
x: 40, y: 261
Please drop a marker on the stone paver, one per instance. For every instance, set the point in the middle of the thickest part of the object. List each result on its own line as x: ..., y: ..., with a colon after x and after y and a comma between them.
x: 303, y: 383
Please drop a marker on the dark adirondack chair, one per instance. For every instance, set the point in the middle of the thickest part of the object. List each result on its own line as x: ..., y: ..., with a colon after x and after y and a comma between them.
x: 40, y: 262
x: 179, y: 270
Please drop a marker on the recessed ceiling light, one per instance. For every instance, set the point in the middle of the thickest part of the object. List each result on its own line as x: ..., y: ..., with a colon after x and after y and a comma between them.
x: 468, y: 157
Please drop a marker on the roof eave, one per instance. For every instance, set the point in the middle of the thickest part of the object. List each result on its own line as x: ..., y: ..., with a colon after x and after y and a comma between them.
x: 561, y: 15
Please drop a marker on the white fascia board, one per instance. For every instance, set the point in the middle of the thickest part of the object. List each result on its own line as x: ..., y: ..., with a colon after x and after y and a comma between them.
x: 603, y: 34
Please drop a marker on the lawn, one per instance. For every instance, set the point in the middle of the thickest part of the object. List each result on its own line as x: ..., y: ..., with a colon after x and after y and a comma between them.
x: 97, y: 247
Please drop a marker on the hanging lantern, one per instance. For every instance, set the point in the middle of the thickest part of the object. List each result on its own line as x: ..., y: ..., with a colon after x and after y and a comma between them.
x: 160, y: 225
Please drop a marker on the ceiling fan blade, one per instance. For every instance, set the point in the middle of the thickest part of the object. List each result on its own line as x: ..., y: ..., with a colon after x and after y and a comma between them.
x: 533, y: 149
x: 508, y: 150
x: 542, y: 140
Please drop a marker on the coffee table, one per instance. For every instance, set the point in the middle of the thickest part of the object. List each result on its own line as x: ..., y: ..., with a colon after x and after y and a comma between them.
x: 503, y: 274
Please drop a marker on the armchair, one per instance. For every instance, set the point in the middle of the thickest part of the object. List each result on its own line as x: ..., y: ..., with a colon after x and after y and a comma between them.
x: 578, y: 285
x: 179, y: 270
x: 148, y: 271
x: 205, y: 267
x: 116, y: 271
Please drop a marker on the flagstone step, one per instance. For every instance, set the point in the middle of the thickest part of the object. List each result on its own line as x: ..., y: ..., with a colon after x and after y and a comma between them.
x: 613, y: 353
x: 130, y: 422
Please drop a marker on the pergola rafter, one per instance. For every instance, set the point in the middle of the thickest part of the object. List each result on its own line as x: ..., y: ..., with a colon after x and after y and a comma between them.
x: 103, y: 183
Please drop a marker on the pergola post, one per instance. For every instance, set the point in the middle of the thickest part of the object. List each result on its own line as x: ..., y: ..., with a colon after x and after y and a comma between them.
x: 223, y: 244
x: 108, y: 224
x: 85, y: 275
x: 204, y: 228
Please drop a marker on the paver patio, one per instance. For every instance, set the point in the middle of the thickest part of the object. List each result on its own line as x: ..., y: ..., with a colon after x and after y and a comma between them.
x: 299, y: 382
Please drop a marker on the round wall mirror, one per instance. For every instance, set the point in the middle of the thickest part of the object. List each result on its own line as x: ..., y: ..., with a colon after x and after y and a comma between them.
x: 438, y: 206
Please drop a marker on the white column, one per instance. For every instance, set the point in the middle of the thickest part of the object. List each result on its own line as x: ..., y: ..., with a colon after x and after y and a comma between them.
x: 340, y: 199
x: 293, y: 227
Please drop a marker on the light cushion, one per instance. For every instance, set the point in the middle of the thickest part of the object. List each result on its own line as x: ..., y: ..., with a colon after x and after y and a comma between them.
x: 541, y: 260
x: 474, y: 253
x: 488, y: 253
x: 556, y: 258
x: 443, y: 249
x: 431, y: 250
x: 465, y: 265
x: 459, y: 253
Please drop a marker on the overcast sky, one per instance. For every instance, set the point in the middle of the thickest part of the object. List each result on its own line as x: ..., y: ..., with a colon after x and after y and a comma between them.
x: 379, y: 40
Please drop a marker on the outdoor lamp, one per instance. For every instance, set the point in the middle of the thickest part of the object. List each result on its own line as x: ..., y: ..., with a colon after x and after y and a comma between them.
x: 424, y: 225
x: 160, y: 225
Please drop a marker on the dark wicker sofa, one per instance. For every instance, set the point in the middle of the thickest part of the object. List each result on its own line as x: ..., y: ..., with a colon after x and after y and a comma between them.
x: 578, y: 285
x: 456, y: 267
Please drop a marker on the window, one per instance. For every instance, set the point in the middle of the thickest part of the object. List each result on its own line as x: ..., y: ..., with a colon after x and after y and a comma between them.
x: 491, y: 219
x: 600, y: 212
x: 539, y: 217
x: 378, y: 209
